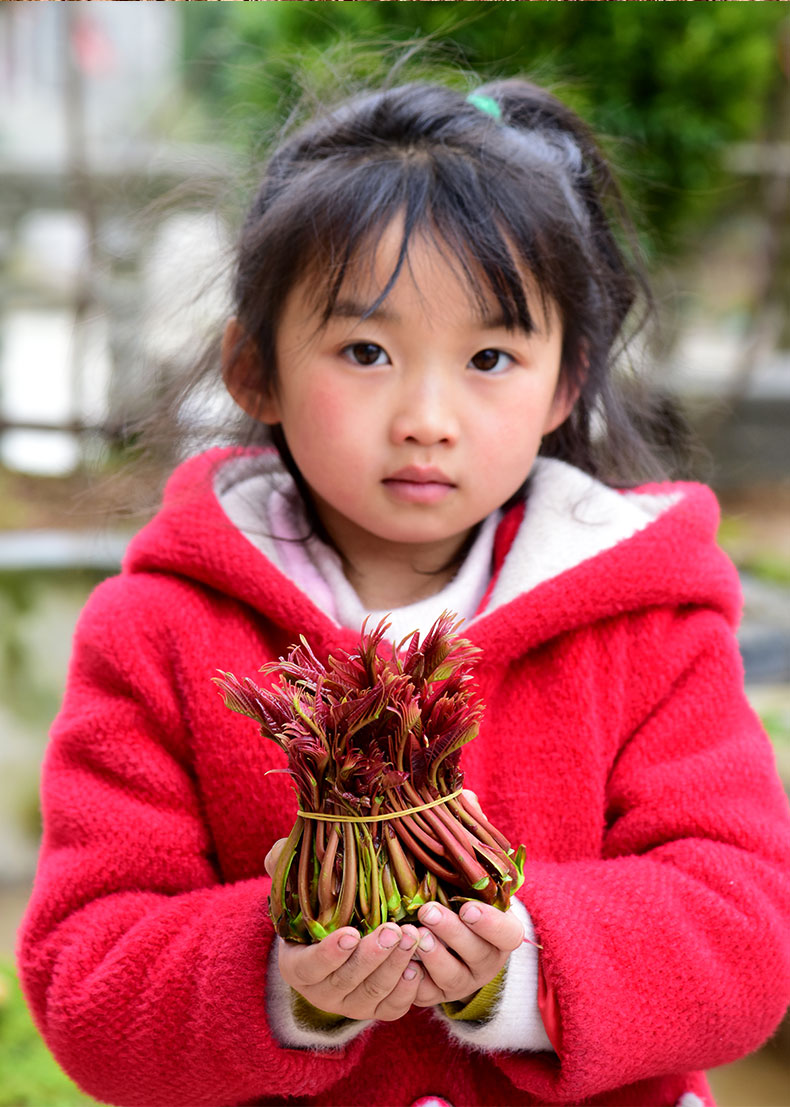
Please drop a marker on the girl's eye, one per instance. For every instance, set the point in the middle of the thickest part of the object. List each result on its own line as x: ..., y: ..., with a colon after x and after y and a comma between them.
x: 366, y: 353
x: 490, y: 361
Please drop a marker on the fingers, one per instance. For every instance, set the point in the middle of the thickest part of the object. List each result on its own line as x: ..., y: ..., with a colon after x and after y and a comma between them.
x: 306, y: 966
x: 451, y: 975
x: 376, y: 964
x: 270, y: 861
x: 388, y: 991
x: 428, y: 992
x: 460, y: 956
x: 370, y: 980
x: 486, y: 924
x: 402, y: 995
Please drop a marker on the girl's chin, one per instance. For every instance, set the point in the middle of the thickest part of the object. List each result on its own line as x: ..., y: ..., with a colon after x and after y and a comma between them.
x: 434, y: 543
x: 400, y: 526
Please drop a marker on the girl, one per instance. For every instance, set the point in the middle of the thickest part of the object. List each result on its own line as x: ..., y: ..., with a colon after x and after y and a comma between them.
x: 428, y: 299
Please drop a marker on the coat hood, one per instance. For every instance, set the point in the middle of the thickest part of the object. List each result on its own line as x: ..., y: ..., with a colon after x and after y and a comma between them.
x: 574, y: 553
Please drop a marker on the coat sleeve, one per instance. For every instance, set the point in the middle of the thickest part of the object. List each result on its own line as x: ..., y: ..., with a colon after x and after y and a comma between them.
x: 505, y: 1013
x: 146, y: 976
x: 670, y: 952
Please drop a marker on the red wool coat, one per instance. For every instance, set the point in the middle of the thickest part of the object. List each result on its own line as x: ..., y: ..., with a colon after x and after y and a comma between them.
x: 617, y: 744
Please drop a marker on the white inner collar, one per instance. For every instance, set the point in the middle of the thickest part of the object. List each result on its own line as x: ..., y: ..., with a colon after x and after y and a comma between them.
x: 264, y: 504
x: 570, y: 518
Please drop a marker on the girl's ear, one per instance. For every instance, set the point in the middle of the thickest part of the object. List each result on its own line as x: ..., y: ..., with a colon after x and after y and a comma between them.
x: 244, y: 376
x: 569, y: 387
x: 564, y: 400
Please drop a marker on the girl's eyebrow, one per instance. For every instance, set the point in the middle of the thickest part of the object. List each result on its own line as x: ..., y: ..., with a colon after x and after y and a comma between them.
x: 352, y: 309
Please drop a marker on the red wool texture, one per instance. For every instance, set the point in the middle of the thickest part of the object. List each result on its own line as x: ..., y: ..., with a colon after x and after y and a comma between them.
x: 617, y: 745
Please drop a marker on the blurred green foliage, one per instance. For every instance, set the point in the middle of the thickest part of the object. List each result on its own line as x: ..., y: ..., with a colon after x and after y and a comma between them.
x: 771, y: 566
x: 32, y: 603
x: 777, y: 724
x: 29, y: 1077
x: 754, y: 551
x: 669, y: 84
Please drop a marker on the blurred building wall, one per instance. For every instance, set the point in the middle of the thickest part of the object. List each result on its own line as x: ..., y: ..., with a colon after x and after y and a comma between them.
x: 100, y: 270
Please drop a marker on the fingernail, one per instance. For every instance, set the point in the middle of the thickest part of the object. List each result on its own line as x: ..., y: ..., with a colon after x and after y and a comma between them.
x: 430, y: 914
x: 470, y: 913
x: 409, y: 973
x: 408, y: 941
x: 348, y: 941
x: 426, y: 940
x: 388, y: 937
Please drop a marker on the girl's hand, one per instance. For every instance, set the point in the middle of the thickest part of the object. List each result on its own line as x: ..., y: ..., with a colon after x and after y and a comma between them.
x: 366, y: 979
x: 461, y: 953
x: 360, y: 978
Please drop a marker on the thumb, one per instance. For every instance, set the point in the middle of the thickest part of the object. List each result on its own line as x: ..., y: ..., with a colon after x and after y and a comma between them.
x: 270, y: 861
x: 471, y: 798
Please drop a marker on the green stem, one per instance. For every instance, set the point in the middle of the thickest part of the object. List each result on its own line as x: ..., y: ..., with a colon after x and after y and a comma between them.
x: 418, y: 818
x: 327, y: 900
x: 284, y: 862
x: 481, y: 841
x: 401, y: 866
x: 348, y: 887
x: 373, y: 917
x: 501, y: 862
x: 305, y: 864
x: 428, y: 888
x: 363, y: 884
x: 459, y: 854
x: 415, y: 820
x: 316, y: 929
x: 430, y: 862
x: 455, y: 827
x: 471, y: 818
x: 392, y: 894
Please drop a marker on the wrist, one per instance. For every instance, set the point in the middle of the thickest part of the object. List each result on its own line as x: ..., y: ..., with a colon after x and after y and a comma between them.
x: 307, y: 1014
x: 477, y: 1005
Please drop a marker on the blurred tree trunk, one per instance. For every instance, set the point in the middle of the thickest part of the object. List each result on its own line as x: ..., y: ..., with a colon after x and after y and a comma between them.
x: 83, y: 199
x: 776, y: 293
x: 770, y: 307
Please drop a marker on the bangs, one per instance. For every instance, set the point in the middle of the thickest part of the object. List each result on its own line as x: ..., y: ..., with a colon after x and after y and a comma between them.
x: 340, y: 213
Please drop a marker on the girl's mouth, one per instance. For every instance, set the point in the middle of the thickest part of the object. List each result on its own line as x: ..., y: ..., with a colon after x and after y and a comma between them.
x: 417, y: 485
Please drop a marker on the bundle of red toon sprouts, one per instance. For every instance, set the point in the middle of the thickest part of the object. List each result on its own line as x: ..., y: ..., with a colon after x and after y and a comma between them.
x: 373, y: 743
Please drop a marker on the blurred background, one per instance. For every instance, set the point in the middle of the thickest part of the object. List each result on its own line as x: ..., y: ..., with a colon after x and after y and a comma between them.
x: 128, y: 146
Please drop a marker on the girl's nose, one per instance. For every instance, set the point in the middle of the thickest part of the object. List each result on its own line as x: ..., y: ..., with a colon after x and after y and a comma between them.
x: 425, y: 415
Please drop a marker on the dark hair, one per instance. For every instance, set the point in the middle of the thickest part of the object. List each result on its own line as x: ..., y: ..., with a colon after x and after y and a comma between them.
x: 530, y: 188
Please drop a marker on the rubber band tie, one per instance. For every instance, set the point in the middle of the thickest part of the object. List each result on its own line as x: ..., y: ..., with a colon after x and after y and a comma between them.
x: 324, y: 818
x: 485, y: 103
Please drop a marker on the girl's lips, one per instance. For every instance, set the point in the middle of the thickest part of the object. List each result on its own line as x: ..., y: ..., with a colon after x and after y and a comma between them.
x: 418, y: 492
x: 419, y: 486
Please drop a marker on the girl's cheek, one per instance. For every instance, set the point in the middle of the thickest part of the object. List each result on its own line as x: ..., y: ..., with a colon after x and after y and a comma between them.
x: 508, y: 431
x: 323, y: 409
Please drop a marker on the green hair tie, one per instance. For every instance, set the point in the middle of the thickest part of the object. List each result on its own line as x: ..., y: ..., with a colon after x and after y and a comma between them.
x: 485, y: 103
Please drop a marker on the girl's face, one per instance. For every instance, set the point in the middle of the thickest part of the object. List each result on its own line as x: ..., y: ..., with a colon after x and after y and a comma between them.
x: 412, y: 425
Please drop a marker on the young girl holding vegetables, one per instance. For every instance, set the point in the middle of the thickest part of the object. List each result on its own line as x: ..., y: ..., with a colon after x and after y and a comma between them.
x: 429, y: 295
